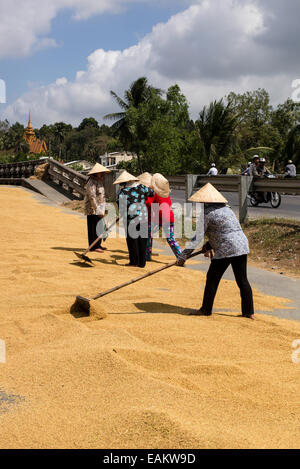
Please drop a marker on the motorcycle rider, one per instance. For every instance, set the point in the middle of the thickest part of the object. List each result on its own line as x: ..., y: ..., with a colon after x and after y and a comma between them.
x: 247, y: 171
x: 262, y: 169
x: 253, y: 167
x: 290, y: 170
x: 213, y: 170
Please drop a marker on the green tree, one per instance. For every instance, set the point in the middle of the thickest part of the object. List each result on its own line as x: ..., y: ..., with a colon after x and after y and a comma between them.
x: 217, y: 125
x: 88, y: 122
x: 292, y: 149
x: 284, y: 120
x: 256, y: 129
x: 163, y: 133
x: 138, y: 93
x: 46, y: 132
x: 253, y: 107
x: 60, y: 130
x: 14, y: 137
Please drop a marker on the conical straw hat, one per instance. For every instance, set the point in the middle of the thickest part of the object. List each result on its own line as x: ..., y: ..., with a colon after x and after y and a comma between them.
x: 145, y: 179
x: 160, y: 185
x: 125, y: 177
x: 208, y: 194
x: 98, y: 168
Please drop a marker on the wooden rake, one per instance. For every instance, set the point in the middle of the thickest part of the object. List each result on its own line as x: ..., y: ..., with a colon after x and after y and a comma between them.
x: 83, y: 304
x: 83, y: 256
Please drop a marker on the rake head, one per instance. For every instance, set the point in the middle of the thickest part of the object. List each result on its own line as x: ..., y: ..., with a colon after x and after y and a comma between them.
x: 81, y: 305
x: 83, y: 257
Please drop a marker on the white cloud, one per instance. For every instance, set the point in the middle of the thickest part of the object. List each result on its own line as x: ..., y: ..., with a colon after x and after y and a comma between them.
x: 25, y: 24
x: 209, y: 49
x: 22, y: 24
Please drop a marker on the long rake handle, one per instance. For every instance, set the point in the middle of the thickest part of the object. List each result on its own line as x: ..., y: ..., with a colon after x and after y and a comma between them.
x: 100, y: 237
x: 148, y: 274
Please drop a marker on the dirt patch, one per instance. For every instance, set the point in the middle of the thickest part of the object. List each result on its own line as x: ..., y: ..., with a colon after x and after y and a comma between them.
x: 8, y: 400
x: 76, y: 205
x: 275, y: 244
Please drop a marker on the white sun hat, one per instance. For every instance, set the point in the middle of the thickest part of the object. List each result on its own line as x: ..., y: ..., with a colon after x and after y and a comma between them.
x: 145, y: 179
x: 160, y: 185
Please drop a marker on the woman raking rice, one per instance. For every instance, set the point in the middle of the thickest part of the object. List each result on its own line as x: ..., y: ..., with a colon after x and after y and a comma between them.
x: 95, y: 204
x: 227, y: 245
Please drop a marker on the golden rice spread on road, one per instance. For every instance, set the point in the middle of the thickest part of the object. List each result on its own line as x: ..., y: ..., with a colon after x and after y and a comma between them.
x: 146, y: 376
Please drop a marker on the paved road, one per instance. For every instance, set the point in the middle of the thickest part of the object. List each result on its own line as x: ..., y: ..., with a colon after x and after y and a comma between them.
x: 270, y: 283
x: 289, y: 208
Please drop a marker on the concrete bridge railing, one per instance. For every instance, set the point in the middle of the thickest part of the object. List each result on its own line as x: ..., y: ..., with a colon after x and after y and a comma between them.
x: 71, y: 181
x: 22, y: 169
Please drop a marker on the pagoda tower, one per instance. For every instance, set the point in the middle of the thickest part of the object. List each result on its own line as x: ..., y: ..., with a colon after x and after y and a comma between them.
x: 35, y: 145
x: 29, y: 135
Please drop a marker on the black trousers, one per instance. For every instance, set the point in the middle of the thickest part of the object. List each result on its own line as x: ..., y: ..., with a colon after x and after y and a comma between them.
x: 92, y: 221
x: 214, y: 275
x: 137, y: 247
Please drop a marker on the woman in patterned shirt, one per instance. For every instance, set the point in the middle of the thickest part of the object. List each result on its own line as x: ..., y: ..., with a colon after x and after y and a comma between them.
x: 227, y: 245
x: 95, y: 205
x: 134, y: 212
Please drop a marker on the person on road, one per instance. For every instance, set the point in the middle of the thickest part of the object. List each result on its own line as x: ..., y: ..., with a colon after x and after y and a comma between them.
x: 227, y: 245
x: 290, y: 170
x: 95, y: 205
x: 262, y: 170
x: 213, y: 170
x: 253, y: 167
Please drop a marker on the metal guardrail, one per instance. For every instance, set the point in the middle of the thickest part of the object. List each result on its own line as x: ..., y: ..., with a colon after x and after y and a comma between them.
x: 283, y: 186
x: 243, y: 185
x: 230, y: 183
x: 177, y: 182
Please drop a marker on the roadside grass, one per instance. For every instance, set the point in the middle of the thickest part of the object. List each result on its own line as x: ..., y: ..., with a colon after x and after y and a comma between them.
x: 275, y: 244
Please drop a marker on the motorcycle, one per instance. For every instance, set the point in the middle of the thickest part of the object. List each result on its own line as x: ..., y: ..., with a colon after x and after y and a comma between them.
x: 257, y: 198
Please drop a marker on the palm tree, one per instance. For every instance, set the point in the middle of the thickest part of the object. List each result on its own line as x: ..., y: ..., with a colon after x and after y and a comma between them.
x: 217, y: 128
x: 138, y: 93
x: 60, y: 129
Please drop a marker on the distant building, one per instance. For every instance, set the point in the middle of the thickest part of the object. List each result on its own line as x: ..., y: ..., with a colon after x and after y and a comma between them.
x: 112, y: 159
x: 35, y: 145
x: 86, y: 165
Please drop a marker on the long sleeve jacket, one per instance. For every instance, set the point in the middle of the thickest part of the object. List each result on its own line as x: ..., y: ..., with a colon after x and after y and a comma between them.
x: 94, y: 198
x: 225, y: 234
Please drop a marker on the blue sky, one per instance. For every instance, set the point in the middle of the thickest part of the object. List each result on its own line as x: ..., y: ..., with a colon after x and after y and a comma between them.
x: 62, y: 68
x: 76, y: 40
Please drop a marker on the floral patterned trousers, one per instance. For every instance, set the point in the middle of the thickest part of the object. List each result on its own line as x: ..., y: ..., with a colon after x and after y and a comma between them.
x: 169, y: 232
